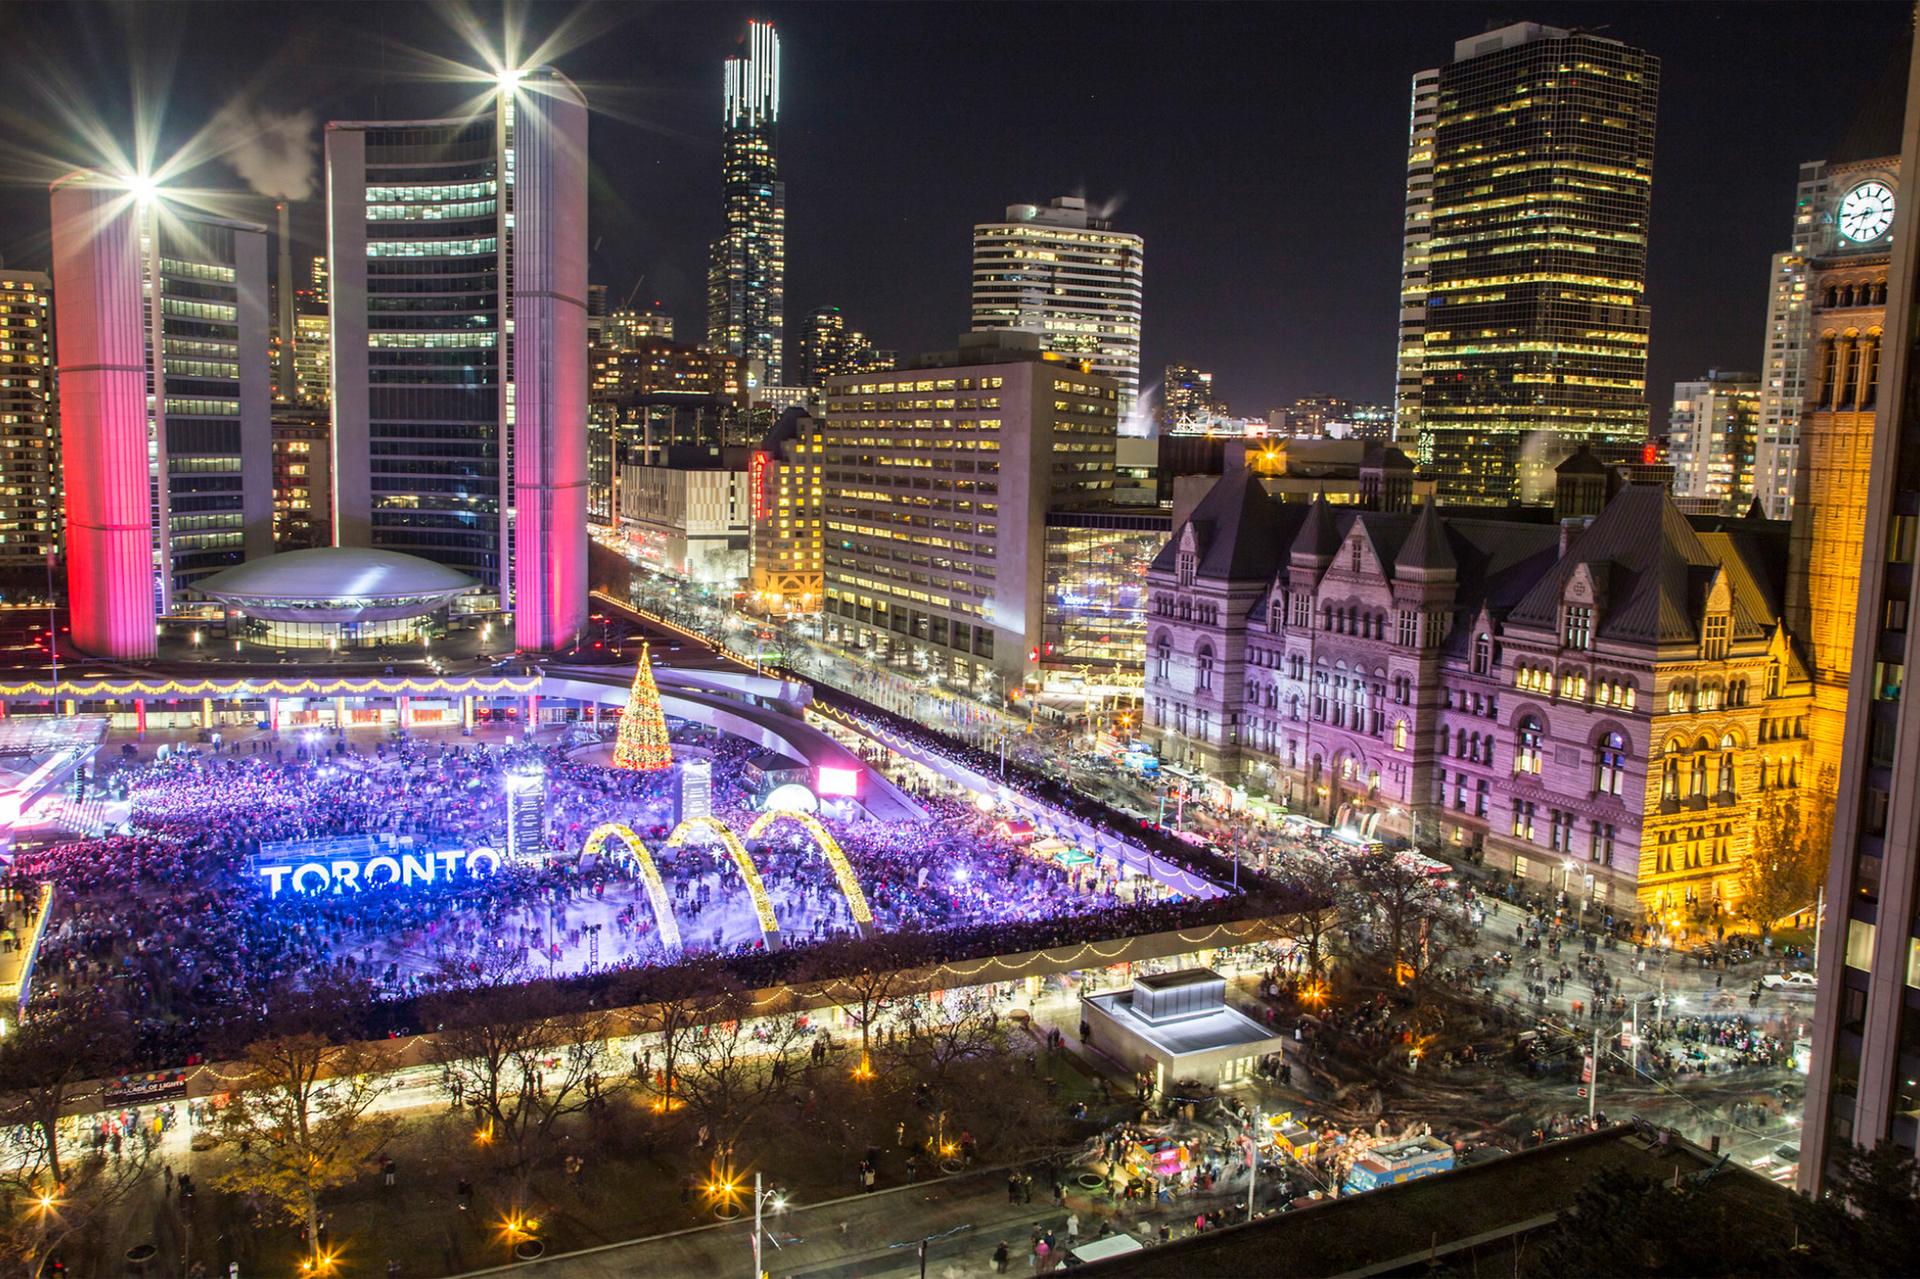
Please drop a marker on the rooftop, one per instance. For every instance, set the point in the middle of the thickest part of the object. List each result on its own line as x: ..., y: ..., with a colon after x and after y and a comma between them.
x: 335, y: 573
x: 1222, y: 1028
x: 1406, y: 1228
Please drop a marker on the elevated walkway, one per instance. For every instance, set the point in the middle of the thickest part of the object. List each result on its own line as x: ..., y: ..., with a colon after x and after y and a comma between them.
x: 724, y: 700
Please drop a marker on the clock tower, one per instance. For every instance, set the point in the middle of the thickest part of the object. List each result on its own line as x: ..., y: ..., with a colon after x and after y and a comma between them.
x: 1848, y: 250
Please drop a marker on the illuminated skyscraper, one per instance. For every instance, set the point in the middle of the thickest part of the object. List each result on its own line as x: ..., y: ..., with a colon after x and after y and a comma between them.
x: 1415, y: 234
x: 938, y: 480
x: 1064, y: 273
x: 29, y: 472
x: 179, y: 482
x: 1783, y: 384
x: 785, y: 492
x: 1186, y: 395
x: 626, y: 328
x: 829, y: 346
x: 312, y: 341
x: 457, y: 251
x: 1533, y: 339
x: 1710, y: 440
x: 1863, y: 1085
x: 747, y: 269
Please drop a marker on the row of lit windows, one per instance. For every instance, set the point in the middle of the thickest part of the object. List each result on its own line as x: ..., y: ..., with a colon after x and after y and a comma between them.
x: 431, y: 212
x: 217, y: 312
x: 433, y: 248
x: 430, y: 192
x: 203, y: 407
x: 197, y: 271
x: 436, y: 340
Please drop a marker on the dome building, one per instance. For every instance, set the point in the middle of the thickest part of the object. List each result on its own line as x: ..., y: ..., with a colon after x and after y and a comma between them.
x: 337, y: 597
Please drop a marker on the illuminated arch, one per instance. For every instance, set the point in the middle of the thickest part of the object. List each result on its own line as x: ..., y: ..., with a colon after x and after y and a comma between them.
x: 762, y: 905
x: 842, y: 868
x: 649, y: 874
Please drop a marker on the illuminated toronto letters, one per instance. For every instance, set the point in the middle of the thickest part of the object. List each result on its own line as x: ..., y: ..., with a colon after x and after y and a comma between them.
x: 401, y: 868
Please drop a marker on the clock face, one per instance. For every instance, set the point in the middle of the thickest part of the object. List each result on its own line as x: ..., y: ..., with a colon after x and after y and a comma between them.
x: 1866, y: 212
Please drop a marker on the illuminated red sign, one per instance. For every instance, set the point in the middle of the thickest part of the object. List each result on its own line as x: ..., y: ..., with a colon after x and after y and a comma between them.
x: 757, y: 477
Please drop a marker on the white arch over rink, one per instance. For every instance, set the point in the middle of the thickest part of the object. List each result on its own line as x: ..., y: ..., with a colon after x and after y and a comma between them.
x: 649, y: 874
x: 749, y: 873
x: 836, y: 858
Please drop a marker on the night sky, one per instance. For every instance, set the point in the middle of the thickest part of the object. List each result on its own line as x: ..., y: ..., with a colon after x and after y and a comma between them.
x: 1260, y: 149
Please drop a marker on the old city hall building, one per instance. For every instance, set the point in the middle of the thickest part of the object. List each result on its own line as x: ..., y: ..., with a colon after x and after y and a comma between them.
x: 1596, y: 701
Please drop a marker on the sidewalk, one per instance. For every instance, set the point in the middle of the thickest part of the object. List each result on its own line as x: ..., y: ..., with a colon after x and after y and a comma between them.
x: 867, y: 1236
x: 858, y: 1235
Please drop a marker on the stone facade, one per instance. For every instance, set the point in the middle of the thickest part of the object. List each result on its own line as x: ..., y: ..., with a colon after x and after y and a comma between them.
x: 1597, y: 703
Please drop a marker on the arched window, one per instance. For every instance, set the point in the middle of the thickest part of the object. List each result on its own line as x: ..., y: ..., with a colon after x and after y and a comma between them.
x: 1203, y: 663
x: 1610, y: 768
x: 1482, y: 653
x: 1773, y: 679
x: 1726, y: 773
x: 1162, y: 657
x: 1529, y: 745
x: 1833, y: 295
x: 1698, y: 788
x: 1399, y: 734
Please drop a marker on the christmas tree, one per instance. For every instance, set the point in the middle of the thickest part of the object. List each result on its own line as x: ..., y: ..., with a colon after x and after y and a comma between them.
x: 642, y: 743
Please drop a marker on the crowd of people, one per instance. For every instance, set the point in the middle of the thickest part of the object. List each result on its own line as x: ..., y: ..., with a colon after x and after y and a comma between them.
x: 163, y: 916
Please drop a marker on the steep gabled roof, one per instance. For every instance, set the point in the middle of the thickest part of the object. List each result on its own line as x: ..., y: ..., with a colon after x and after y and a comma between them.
x: 1320, y: 534
x: 1658, y: 570
x: 1426, y: 548
x: 1240, y: 531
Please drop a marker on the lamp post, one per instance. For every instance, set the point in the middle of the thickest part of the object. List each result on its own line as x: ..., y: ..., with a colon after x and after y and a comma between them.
x: 761, y: 1197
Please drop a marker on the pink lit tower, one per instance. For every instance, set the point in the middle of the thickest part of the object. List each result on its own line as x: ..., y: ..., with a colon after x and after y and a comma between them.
x: 547, y: 137
x: 103, y: 415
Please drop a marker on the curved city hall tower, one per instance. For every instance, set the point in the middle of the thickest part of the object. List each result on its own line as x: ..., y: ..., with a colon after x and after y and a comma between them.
x: 103, y: 416
x: 458, y: 252
x: 547, y: 123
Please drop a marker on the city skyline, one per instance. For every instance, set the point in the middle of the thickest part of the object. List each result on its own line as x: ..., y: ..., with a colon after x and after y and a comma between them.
x: 890, y: 242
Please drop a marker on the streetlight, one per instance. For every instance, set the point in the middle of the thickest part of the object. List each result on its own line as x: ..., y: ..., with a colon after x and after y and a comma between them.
x: 776, y: 1197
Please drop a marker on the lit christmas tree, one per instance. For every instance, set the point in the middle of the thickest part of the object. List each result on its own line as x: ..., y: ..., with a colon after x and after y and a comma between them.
x: 642, y: 744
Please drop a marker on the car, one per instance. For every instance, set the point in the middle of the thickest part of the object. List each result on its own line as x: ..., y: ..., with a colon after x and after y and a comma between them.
x: 1790, y: 981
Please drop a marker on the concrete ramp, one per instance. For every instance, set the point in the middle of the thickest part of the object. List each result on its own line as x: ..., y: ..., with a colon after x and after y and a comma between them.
x: 726, y: 702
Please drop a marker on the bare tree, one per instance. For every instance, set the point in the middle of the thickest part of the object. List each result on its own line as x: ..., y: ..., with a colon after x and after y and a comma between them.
x: 735, y: 1064
x: 944, y: 1032
x: 672, y: 1002
x: 59, y: 1198
x: 872, y: 992
x: 520, y: 1066
x: 300, y: 1122
x: 1412, y: 924
x: 1322, y: 911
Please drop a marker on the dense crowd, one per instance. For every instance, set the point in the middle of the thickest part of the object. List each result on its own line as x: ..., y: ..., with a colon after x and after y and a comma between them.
x: 1055, y: 794
x: 163, y: 917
